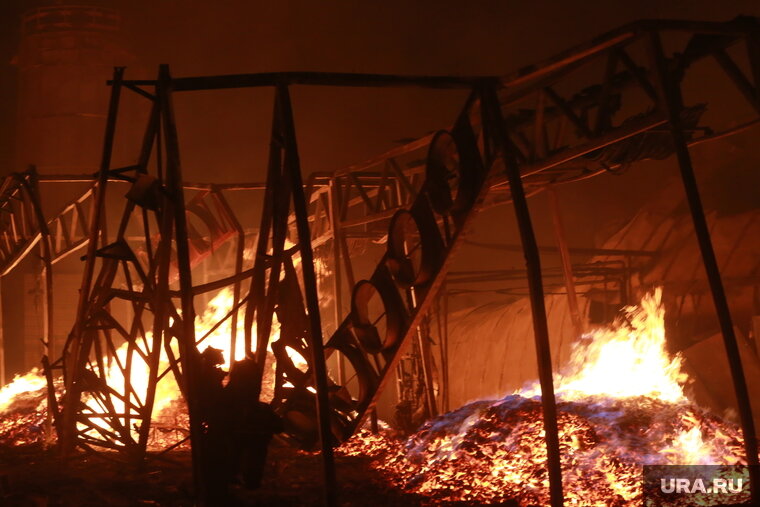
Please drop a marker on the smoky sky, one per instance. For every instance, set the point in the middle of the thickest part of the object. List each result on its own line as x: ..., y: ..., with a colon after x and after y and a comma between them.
x: 224, y: 134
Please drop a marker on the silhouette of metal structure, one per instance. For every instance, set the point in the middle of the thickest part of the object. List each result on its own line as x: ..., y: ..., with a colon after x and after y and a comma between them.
x: 591, y: 110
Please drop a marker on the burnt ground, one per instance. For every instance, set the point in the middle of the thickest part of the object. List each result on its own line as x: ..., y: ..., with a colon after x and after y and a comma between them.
x: 32, y: 476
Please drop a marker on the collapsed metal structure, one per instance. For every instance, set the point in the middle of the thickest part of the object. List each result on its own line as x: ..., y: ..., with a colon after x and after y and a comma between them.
x: 515, y: 136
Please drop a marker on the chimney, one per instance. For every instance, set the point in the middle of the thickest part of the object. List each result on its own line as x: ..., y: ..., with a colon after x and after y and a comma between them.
x: 66, y: 53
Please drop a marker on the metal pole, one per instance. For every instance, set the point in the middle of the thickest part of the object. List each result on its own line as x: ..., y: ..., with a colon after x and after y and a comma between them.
x: 445, y: 349
x: 670, y: 93
x: 240, y: 252
x: 32, y: 190
x: 187, y: 337
x: 332, y: 199
x: 490, y: 105
x: 292, y: 164
x: 422, y: 334
x: 158, y: 269
x: 2, y: 339
x: 567, y: 266
x: 77, y: 352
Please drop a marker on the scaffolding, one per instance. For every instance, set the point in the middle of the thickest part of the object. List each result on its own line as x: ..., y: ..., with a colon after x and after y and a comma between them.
x: 515, y: 136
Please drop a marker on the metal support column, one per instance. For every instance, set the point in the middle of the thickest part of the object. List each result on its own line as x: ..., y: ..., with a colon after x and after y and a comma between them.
x: 671, y: 100
x: 490, y: 104
x: 32, y: 190
x: 292, y: 164
x: 187, y: 334
x: 567, y: 265
x: 75, y: 355
x: 337, y: 238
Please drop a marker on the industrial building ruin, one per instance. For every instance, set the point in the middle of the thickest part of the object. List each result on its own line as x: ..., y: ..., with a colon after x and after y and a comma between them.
x: 361, y: 312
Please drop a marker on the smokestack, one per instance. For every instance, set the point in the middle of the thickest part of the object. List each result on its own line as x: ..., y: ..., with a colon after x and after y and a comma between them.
x: 65, y: 55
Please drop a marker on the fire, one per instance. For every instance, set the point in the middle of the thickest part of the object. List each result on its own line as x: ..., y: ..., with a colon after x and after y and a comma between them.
x: 23, y: 409
x: 20, y: 385
x: 23, y: 402
x: 169, y: 407
x: 219, y: 338
x: 213, y: 328
x: 620, y: 403
x: 626, y: 360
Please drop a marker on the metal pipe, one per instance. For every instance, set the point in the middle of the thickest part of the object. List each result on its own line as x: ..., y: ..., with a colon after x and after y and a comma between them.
x: 239, y: 253
x: 337, y: 279
x: 32, y: 190
x: 187, y: 338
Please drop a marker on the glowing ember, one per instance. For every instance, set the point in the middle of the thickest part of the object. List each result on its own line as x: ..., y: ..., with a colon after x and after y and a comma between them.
x: 23, y: 402
x: 23, y: 409
x: 21, y: 384
x: 629, y: 359
x: 620, y: 406
x: 169, y: 418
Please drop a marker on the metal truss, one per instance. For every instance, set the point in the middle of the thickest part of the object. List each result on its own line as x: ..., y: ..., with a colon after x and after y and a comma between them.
x: 104, y: 405
x: 20, y: 224
x: 632, y: 113
x: 594, y: 109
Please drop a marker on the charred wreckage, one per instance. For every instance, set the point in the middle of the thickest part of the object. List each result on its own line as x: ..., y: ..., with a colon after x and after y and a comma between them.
x: 516, y: 136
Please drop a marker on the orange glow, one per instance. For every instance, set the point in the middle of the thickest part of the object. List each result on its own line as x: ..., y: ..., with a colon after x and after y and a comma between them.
x: 23, y: 401
x: 21, y: 384
x: 169, y: 405
x: 23, y: 409
x: 623, y: 360
x: 620, y: 404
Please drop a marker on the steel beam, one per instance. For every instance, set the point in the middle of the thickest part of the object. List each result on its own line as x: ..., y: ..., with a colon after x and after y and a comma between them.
x: 670, y: 89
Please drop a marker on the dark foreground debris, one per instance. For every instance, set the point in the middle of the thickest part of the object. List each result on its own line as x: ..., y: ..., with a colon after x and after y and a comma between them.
x: 31, y: 476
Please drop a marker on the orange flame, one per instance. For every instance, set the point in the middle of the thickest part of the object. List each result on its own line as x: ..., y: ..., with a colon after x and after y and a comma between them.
x: 21, y: 384
x: 620, y: 404
x: 626, y: 360
x: 168, y: 398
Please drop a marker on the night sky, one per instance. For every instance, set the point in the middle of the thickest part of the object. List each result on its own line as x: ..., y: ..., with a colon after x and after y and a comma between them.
x: 338, y: 127
x: 224, y: 134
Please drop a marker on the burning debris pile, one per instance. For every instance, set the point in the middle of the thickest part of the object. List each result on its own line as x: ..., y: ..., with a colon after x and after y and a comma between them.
x: 620, y: 406
x: 23, y: 402
x: 23, y: 410
x: 488, y: 452
x: 24, y: 414
x: 620, y: 401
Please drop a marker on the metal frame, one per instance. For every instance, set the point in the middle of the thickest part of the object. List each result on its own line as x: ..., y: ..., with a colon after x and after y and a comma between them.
x: 515, y: 136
